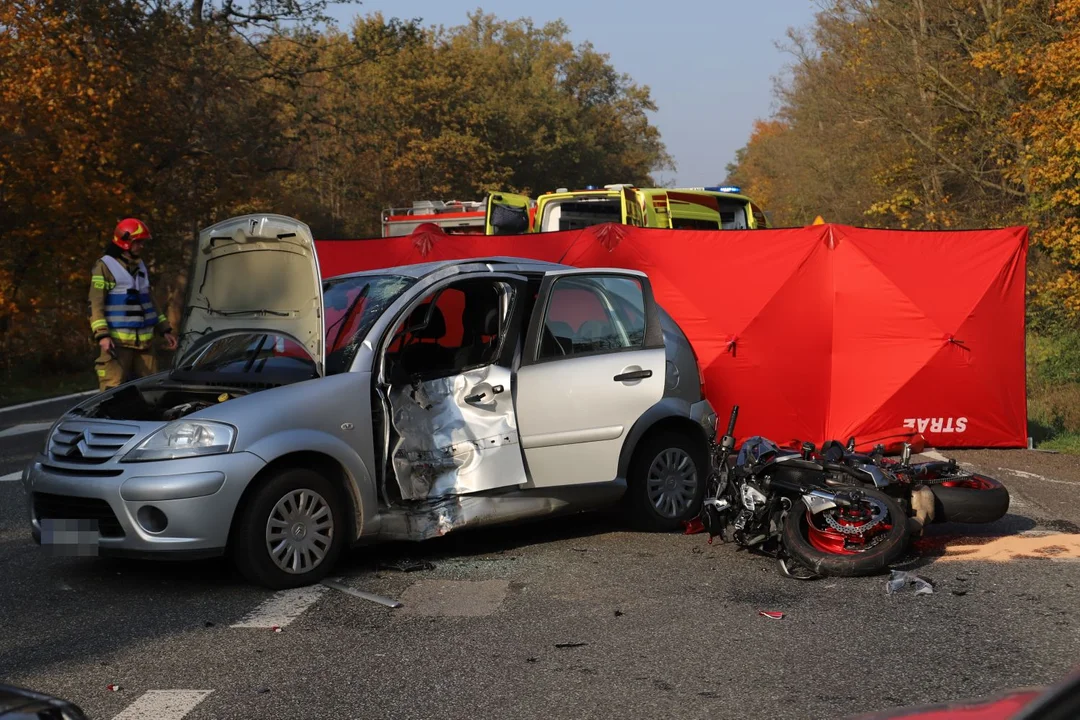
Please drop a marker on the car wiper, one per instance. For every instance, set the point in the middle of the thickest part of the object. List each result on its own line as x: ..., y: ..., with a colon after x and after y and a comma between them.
x: 255, y: 354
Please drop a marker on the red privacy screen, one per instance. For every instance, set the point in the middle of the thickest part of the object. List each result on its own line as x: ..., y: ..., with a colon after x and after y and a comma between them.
x: 816, y: 333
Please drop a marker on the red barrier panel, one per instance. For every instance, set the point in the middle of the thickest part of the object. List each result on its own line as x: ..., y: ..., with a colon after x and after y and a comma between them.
x: 817, y: 333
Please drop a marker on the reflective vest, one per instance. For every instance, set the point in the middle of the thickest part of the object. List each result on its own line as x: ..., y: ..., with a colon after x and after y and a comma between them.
x: 129, y: 310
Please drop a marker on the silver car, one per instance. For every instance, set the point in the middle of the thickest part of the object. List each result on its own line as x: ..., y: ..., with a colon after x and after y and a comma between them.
x: 304, y: 415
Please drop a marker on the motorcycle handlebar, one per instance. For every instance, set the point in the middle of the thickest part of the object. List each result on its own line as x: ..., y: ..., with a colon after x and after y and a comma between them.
x: 731, y: 421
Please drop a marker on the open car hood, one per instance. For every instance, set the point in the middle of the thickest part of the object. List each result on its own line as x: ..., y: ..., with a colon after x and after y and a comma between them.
x: 255, y: 272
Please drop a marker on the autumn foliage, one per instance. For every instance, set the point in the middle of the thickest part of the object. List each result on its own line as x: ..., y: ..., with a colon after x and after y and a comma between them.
x: 185, y: 113
x: 934, y: 114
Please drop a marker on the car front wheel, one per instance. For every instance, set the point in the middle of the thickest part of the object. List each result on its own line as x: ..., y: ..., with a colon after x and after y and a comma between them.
x: 666, y: 482
x: 291, y: 530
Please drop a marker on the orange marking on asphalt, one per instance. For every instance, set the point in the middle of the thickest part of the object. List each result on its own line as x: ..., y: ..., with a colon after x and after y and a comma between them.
x: 1059, y: 546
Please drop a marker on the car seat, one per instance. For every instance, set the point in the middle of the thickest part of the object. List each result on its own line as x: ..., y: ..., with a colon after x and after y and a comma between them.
x: 423, y: 354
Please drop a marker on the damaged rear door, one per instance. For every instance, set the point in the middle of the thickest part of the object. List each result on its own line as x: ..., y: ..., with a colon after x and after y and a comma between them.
x: 593, y: 364
x: 448, y: 384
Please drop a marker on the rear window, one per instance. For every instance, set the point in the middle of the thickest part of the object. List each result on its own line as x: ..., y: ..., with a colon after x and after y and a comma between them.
x: 582, y: 212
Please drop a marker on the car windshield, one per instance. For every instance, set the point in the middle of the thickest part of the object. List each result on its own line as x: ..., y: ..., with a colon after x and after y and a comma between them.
x: 254, y: 353
x: 353, y: 304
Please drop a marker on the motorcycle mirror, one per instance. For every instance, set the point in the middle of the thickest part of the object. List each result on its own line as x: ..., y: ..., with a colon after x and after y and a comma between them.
x: 851, y: 444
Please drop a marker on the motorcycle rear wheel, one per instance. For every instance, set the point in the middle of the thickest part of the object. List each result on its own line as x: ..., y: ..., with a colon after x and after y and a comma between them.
x: 820, y: 548
x: 973, y: 498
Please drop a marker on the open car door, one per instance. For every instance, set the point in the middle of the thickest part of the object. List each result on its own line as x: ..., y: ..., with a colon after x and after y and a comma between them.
x: 633, y: 207
x: 447, y: 388
x: 507, y: 214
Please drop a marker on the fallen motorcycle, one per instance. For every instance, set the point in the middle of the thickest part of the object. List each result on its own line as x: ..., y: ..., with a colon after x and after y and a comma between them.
x: 790, y: 506
x: 934, y: 491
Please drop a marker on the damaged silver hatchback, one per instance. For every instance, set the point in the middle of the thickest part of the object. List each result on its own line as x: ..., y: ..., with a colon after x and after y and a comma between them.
x: 304, y: 415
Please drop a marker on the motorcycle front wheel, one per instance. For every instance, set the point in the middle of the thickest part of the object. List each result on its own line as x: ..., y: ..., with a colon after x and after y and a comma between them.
x: 847, y: 542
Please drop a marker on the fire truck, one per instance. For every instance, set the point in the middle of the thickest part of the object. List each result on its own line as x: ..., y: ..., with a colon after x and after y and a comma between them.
x: 453, y: 216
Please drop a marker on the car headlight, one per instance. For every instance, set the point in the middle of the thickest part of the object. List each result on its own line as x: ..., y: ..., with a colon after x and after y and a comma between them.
x: 184, y: 438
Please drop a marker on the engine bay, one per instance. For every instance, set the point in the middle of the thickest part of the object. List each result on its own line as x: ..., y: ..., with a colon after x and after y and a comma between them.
x: 162, y: 401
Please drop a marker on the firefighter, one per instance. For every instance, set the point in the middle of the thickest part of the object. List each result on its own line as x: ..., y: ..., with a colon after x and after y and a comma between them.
x: 123, y: 317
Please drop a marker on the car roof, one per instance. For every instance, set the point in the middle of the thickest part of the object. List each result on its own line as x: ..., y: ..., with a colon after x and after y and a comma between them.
x: 419, y: 270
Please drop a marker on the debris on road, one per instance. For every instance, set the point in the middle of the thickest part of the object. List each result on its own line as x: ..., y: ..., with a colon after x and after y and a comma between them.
x: 693, y: 527
x: 408, y: 565
x: 771, y: 614
x: 618, y: 613
x: 112, y: 687
x: 276, y: 628
x: 363, y: 595
x: 899, y: 579
x: 570, y: 644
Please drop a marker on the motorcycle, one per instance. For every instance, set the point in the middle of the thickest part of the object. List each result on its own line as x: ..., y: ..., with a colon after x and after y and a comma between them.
x: 789, y: 505
x: 934, y: 491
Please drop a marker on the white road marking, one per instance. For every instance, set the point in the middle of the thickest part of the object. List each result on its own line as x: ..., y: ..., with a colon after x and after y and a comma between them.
x: 1033, y: 476
x: 46, y: 401
x: 163, y: 705
x: 281, y: 609
x: 12, y: 477
x: 25, y: 429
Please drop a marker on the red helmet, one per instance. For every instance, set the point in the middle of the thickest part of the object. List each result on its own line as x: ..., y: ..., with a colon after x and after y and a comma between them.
x: 129, y: 230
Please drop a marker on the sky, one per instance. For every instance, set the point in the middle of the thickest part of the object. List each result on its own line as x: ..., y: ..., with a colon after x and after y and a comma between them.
x: 709, y: 65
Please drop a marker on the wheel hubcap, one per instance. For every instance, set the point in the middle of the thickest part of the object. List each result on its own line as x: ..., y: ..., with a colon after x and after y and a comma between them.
x: 299, y: 531
x: 672, y: 482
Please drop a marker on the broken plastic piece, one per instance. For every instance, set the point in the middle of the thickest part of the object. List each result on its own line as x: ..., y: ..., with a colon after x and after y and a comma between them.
x: 772, y: 615
x: 570, y: 644
x: 899, y: 579
x: 276, y: 628
x: 363, y: 595
x: 112, y: 687
x: 409, y: 565
x: 693, y: 527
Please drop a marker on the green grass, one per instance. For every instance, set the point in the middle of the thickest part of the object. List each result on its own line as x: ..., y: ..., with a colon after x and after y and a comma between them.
x: 18, y: 389
x: 1053, y: 368
x: 1065, y: 442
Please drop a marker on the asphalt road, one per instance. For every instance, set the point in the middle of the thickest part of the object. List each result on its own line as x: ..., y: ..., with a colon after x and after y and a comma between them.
x: 565, y: 619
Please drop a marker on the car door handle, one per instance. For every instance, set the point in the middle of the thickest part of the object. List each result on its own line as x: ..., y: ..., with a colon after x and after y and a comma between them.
x: 633, y: 375
x: 473, y: 399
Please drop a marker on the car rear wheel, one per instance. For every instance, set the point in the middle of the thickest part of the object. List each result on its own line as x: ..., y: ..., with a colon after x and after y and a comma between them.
x: 291, y: 530
x: 666, y: 482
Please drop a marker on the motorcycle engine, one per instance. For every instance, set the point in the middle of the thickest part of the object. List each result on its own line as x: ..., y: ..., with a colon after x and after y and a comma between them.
x: 752, y: 497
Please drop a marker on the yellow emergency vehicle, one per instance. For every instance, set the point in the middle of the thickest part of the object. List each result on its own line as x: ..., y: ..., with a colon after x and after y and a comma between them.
x: 702, y: 208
